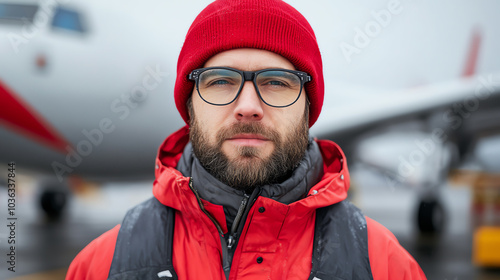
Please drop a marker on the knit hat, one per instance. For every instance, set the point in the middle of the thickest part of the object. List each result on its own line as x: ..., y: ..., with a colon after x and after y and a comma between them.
x: 271, y: 25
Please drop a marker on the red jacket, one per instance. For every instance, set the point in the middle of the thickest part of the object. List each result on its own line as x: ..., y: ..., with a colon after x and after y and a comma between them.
x: 282, y: 235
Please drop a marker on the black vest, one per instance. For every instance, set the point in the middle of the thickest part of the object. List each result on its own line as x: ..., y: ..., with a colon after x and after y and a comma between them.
x: 144, y: 244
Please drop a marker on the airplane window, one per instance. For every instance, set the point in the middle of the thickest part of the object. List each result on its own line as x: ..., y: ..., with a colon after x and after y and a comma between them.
x: 67, y: 19
x: 17, y: 13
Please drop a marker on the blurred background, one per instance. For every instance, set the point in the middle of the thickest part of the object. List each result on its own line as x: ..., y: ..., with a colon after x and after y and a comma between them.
x: 412, y: 96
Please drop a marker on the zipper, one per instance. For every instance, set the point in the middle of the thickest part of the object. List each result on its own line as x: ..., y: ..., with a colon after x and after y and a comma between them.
x: 226, y: 263
x: 237, y: 227
x: 219, y: 229
x: 240, y: 220
x: 238, y: 224
x: 232, y: 236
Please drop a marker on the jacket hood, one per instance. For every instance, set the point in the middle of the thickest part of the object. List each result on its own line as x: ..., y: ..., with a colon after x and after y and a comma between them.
x: 172, y: 188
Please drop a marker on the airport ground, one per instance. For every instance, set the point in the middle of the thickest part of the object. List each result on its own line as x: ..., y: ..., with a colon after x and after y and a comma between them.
x: 44, y: 249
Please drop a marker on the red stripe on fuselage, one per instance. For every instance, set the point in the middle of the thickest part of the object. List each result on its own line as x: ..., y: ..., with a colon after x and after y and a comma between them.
x: 19, y: 116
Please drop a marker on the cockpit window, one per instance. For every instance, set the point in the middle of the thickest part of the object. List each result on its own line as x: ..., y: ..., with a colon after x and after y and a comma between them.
x: 68, y: 19
x: 17, y: 13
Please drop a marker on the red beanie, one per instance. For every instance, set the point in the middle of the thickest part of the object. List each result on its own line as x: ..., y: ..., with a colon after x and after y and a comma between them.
x: 271, y: 25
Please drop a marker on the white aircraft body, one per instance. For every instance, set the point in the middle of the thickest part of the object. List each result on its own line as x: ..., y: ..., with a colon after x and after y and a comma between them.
x: 86, y: 87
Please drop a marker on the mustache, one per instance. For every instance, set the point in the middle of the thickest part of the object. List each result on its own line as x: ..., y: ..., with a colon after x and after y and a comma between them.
x: 250, y: 128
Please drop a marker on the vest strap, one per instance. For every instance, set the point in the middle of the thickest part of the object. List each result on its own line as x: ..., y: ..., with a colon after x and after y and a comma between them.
x: 144, y: 244
x: 340, y: 249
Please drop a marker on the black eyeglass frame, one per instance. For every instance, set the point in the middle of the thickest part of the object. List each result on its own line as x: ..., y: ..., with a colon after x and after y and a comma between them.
x: 249, y: 76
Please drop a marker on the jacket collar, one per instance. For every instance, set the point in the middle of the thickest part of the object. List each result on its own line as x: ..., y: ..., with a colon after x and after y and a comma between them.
x: 304, y: 177
x: 172, y: 188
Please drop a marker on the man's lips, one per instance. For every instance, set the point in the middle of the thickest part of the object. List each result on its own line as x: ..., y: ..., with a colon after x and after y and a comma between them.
x: 249, y: 136
x: 245, y: 139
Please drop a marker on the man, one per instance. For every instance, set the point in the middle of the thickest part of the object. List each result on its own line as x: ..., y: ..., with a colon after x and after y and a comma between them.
x: 242, y: 192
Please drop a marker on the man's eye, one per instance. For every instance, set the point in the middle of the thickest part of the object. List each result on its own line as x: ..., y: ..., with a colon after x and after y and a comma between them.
x: 276, y: 83
x: 219, y: 82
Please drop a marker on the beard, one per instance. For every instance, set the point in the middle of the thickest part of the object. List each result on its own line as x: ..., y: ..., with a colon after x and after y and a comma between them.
x: 247, y: 170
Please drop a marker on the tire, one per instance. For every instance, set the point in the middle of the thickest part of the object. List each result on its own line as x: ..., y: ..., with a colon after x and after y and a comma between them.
x: 53, y: 203
x: 431, y: 216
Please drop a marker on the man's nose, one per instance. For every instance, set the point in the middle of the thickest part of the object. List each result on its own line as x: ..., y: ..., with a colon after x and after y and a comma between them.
x: 249, y: 106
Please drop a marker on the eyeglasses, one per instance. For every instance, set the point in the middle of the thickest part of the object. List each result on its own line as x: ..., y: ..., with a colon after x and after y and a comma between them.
x: 222, y: 85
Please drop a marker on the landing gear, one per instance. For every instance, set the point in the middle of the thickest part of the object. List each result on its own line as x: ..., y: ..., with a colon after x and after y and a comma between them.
x: 53, y: 202
x: 430, y: 216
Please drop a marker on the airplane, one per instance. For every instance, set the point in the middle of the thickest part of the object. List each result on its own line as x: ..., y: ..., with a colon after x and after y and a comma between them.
x: 86, y: 87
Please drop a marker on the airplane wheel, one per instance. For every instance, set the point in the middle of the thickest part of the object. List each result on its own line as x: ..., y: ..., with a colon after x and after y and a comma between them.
x: 53, y: 203
x: 430, y: 216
